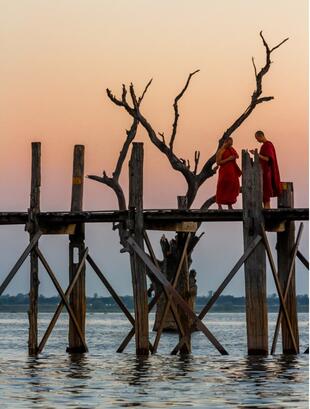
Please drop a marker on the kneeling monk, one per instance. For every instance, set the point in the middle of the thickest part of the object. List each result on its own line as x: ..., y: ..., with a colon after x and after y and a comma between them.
x: 228, y: 186
x: 271, y: 177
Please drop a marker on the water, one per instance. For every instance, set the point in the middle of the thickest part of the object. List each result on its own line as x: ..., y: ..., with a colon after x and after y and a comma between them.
x: 104, y: 379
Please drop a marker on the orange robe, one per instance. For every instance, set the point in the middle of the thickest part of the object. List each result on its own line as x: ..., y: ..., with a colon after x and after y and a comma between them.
x: 228, y: 186
x: 271, y: 177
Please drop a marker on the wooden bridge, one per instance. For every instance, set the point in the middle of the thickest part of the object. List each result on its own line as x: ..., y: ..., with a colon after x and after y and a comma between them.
x: 135, y: 222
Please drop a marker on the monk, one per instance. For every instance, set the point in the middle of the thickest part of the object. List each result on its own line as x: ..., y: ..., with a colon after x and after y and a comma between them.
x: 271, y: 177
x: 228, y: 186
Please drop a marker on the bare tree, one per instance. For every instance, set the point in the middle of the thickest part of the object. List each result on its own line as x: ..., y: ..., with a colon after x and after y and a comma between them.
x: 194, y: 178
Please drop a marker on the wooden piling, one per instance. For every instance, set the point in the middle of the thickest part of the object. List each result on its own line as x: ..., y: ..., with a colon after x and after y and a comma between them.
x: 183, y: 288
x: 285, y: 245
x: 255, y: 265
x: 137, y: 266
x: 34, y: 263
x: 76, y: 251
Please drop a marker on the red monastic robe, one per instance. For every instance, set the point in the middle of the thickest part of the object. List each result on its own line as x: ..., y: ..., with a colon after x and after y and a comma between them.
x: 271, y: 176
x: 228, y: 186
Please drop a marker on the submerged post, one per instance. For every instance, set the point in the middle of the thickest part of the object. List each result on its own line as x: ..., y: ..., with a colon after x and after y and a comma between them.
x: 255, y: 265
x: 34, y: 264
x: 76, y: 249
x: 137, y: 266
x: 285, y: 245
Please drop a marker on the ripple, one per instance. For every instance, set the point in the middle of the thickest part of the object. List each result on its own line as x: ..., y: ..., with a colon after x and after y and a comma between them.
x: 105, y: 379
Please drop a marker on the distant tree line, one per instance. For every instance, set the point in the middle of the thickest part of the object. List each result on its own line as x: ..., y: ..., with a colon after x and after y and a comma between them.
x: 225, y: 303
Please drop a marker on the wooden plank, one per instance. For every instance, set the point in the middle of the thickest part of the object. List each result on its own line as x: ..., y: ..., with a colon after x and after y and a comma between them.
x: 61, y: 304
x: 160, y: 216
x: 184, y: 227
x: 156, y: 274
x: 137, y: 266
x: 255, y: 265
x: 33, y: 229
x: 286, y: 290
x: 223, y: 285
x: 66, y: 229
x: 285, y: 247
x: 76, y: 249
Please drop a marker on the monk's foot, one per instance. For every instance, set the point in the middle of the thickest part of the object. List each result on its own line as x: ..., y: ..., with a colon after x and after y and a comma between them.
x: 220, y: 207
x: 230, y: 207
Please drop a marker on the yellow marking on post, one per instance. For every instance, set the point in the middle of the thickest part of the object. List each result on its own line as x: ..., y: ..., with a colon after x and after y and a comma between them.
x: 77, y: 180
x: 284, y: 186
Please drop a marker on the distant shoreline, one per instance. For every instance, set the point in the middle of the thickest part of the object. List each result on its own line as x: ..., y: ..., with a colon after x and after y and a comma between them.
x: 225, y: 304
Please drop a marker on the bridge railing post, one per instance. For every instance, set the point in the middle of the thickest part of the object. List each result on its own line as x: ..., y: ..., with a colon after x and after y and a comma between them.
x: 255, y: 265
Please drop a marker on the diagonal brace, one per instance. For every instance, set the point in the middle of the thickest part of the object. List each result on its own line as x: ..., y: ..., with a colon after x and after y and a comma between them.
x: 20, y: 261
x: 251, y: 247
x: 61, y: 304
x: 278, y: 286
x: 155, y: 272
x: 62, y: 295
x: 287, y: 286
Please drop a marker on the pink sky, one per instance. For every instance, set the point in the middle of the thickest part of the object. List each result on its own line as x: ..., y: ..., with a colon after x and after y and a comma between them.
x: 59, y: 57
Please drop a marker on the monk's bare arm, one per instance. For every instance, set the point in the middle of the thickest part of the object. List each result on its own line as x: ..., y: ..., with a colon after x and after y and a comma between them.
x: 266, y: 158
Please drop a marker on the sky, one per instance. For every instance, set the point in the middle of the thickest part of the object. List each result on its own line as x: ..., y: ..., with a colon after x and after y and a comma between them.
x: 58, y: 58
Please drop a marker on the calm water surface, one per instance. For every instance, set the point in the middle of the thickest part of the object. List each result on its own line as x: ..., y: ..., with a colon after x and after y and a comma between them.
x: 104, y: 379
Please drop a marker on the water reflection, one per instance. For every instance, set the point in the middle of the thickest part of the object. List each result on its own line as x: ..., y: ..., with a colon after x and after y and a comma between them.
x: 104, y: 379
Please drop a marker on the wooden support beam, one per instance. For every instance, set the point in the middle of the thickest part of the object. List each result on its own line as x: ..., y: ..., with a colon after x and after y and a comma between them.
x: 76, y: 249
x: 111, y: 290
x: 157, y: 296
x: 156, y: 274
x: 285, y: 247
x: 181, y: 227
x: 137, y: 266
x: 161, y: 217
x: 33, y: 228
x: 255, y: 265
x: 169, y: 298
x: 223, y: 285
x: 62, y: 296
x: 286, y: 291
x: 303, y: 259
x: 279, y: 290
x: 19, y: 262
x: 60, y: 306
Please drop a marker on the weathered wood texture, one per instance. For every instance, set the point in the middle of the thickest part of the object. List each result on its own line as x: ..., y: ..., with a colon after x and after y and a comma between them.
x: 76, y: 250
x: 152, y: 218
x: 255, y: 265
x: 137, y: 266
x: 285, y: 246
x: 182, y: 284
x: 34, y: 263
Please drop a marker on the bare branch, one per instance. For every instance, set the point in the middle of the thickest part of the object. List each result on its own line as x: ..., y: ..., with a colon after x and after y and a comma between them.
x: 123, y: 153
x: 162, y: 136
x: 176, y: 109
x: 255, y: 69
x: 144, y: 92
x: 255, y: 100
x: 197, y: 157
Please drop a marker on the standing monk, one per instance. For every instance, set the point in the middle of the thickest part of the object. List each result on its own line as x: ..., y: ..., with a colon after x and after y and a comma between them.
x: 271, y: 176
x: 228, y: 186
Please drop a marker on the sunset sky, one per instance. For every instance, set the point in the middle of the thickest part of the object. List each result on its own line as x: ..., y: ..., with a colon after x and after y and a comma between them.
x: 57, y: 59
